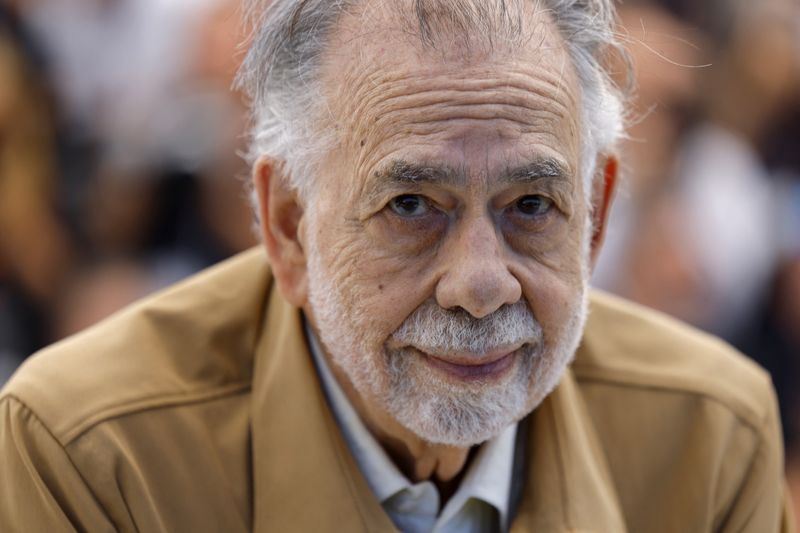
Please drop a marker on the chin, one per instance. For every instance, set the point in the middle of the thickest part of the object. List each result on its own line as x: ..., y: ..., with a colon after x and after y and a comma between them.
x: 452, y: 412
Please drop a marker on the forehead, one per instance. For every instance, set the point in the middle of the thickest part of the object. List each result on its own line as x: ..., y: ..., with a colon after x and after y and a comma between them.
x: 389, y: 88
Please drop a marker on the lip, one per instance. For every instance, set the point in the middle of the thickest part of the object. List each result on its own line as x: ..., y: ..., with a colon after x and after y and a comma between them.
x: 470, y: 368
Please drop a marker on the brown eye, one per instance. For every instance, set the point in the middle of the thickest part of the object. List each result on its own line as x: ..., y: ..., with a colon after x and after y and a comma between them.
x: 534, y: 205
x: 409, y: 205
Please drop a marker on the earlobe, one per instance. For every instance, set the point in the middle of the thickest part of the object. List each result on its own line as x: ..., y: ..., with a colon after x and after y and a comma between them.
x: 604, y: 187
x: 280, y: 222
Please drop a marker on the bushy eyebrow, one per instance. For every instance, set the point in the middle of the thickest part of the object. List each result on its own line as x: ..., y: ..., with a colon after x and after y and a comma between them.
x: 536, y: 170
x: 403, y: 173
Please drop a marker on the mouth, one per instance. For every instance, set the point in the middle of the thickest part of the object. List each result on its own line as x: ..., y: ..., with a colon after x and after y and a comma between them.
x: 469, y: 367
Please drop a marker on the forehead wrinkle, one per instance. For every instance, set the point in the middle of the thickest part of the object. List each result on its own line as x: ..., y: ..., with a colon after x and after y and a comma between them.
x: 370, y: 81
x: 517, y: 95
x: 422, y: 119
x: 371, y: 42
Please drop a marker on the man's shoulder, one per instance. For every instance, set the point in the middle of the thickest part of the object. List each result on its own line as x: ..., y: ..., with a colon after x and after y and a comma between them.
x: 629, y: 347
x: 190, y: 343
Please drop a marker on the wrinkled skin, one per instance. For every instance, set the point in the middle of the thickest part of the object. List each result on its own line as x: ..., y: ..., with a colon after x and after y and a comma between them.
x: 456, y: 181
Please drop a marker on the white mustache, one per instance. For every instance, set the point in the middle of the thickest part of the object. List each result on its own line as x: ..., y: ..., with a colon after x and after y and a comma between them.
x: 435, y: 330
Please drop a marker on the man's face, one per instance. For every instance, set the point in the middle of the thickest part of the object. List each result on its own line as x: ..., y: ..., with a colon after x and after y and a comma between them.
x: 447, y: 237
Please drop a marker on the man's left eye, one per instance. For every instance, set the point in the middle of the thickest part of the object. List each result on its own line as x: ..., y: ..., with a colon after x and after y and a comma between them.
x: 534, y: 205
x: 409, y: 205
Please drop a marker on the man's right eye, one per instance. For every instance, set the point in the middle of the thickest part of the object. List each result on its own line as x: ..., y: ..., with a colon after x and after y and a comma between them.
x: 409, y: 205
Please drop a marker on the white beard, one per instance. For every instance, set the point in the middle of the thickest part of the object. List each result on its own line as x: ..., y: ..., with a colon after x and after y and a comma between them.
x: 436, y: 409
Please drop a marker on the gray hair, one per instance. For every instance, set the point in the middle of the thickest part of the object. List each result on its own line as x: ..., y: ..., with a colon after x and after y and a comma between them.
x: 280, y: 73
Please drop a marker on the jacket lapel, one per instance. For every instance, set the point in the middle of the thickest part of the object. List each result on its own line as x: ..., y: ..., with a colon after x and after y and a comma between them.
x: 304, y: 477
x: 568, y: 486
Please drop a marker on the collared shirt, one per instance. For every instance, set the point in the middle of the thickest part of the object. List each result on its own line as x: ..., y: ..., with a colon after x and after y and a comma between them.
x: 480, y: 504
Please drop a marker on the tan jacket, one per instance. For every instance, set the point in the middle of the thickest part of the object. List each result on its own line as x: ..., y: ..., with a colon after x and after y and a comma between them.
x: 199, y: 410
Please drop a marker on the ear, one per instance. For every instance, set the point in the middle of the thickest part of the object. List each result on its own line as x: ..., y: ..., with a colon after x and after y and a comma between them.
x: 603, y: 189
x: 280, y: 221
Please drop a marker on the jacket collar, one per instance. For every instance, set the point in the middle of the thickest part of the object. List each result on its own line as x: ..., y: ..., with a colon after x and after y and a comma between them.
x: 305, y: 479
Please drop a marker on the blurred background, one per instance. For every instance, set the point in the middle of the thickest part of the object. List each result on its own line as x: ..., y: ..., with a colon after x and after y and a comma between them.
x: 120, y: 173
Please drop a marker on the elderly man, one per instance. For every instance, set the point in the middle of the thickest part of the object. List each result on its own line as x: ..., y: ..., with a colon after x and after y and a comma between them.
x: 432, y: 179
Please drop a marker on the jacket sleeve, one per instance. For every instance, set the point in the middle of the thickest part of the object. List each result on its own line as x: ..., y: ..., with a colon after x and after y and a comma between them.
x: 40, y: 488
x: 763, y: 504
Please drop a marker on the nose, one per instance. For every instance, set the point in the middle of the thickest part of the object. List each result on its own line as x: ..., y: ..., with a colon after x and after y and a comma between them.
x: 476, y: 276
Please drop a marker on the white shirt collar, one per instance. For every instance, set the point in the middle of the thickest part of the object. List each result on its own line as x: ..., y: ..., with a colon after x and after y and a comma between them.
x: 488, y: 477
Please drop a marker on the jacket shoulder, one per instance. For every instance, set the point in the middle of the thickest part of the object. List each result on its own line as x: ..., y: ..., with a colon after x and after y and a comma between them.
x: 626, y: 345
x: 190, y: 343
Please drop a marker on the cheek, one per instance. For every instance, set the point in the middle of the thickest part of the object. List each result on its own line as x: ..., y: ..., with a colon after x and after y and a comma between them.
x: 554, y: 285
x: 378, y: 286
x: 554, y: 301
x: 546, y: 245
